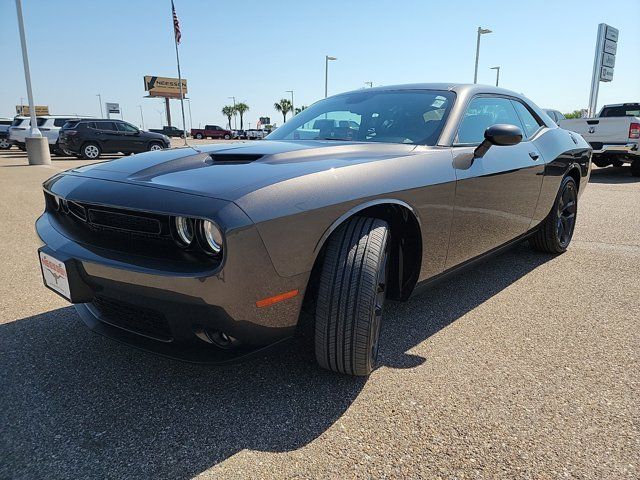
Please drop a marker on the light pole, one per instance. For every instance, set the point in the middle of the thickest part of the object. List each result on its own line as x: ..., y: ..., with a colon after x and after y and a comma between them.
x: 141, y: 116
x: 100, y: 102
x: 293, y: 110
x: 497, y: 69
x: 369, y: 83
x: 161, y: 113
x: 481, y: 31
x: 37, y: 146
x: 190, y: 119
x: 326, y: 73
x: 235, y: 114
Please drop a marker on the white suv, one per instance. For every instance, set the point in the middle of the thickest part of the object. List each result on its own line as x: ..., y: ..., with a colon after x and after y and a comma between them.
x: 49, y: 126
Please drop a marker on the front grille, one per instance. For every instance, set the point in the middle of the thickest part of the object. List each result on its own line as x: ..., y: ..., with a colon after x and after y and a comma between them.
x: 143, y: 321
x: 124, y: 221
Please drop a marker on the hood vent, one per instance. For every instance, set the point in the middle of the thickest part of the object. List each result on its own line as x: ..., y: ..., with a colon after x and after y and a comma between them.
x: 234, y: 158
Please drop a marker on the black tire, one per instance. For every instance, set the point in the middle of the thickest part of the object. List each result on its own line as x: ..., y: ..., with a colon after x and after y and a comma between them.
x: 5, y: 144
x: 227, y: 137
x: 351, y: 294
x: 88, y: 151
x: 555, y: 232
x: 22, y: 146
x: 635, y: 168
x: 199, y: 136
x: 155, y: 146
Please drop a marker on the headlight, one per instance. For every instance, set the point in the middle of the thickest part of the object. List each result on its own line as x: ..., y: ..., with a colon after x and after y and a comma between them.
x: 212, y: 236
x: 184, y: 229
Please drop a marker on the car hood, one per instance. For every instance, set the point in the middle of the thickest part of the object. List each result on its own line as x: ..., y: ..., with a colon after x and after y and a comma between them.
x: 230, y: 171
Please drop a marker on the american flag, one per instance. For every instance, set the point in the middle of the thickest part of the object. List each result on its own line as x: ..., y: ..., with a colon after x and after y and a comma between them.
x: 176, y: 24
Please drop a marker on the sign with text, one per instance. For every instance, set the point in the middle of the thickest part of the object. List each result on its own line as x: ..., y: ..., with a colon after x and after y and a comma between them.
x: 608, y: 38
x: 113, y: 107
x: 25, y: 112
x: 164, y: 86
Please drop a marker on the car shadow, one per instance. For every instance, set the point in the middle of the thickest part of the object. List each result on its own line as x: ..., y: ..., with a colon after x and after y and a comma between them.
x: 613, y: 175
x: 76, y: 404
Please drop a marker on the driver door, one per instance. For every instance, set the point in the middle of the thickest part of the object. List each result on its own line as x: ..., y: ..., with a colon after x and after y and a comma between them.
x: 496, y: 195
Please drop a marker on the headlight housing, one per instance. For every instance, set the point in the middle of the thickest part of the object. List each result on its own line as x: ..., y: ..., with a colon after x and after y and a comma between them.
x: 212, y: 237
x: 184, y: 230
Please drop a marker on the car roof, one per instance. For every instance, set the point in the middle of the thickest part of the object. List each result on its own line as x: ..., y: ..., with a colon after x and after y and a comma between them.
x: 468, y: 88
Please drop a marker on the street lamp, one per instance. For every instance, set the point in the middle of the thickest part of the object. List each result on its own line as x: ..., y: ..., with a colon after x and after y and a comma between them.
x: 293, y: 110
x: 369, y: 83
x: 100, y: 101
x: 190, y: 119
x: 326, y: 73
x: 497, y: 69
x: 141, y: 116
x: 235, y: 114
x: 481, y: 31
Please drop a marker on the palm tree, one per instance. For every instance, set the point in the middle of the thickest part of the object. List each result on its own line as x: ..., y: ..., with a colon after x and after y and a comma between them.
x: 298, y: 110
x: 284, y: 107
x: 228, y: 112
x: 241, y: 108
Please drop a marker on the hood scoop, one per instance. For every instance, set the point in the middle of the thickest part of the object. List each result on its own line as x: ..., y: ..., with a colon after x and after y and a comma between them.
x: 234, y: 158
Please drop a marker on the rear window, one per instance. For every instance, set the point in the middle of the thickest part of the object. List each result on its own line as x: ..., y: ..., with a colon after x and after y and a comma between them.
x: 5, y: 122
x: 59, y: 122
x: 18, y: 121
x: 631, y: 110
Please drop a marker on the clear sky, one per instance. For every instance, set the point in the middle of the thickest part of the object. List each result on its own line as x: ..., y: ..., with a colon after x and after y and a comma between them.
x: 256, y: 50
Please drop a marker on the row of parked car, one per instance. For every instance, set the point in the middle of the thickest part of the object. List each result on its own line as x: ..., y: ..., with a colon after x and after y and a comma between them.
x: 86, y: 138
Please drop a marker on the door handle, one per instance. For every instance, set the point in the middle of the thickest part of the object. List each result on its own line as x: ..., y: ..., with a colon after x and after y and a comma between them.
x: 534, y: 155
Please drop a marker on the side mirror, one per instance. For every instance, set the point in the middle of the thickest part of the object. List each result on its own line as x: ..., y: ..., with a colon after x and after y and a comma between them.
x: 501, y: 134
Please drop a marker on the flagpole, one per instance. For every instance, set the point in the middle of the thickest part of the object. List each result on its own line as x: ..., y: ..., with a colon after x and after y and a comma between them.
x: 175, y: 41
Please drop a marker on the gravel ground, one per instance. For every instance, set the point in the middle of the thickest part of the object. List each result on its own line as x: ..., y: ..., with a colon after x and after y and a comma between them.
x: 523, y: 367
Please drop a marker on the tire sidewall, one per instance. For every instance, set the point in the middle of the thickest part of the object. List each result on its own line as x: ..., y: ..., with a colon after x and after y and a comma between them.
x: 566, y: 181
x: 88, y: 157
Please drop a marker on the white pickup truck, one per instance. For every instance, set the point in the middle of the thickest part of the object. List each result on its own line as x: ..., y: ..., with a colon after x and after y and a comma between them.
x: 614, y: 135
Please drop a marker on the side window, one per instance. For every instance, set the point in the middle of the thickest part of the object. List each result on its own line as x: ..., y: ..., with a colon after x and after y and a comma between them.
x: 110, y: 126
x: 483, y: 112
x: 531, y: 124
x: 125, y: 127
x: 560, y: 116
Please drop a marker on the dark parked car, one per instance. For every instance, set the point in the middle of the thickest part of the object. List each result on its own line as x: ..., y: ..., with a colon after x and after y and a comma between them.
x: 169, y: 131
x: 214, y: 252
x: 211, y: 131
x: 90, y: 138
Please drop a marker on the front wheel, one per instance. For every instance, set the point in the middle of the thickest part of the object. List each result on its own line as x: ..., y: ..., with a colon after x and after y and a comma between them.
x: 154, y: 147
x: 199, y: 136
x: 351, y: 295
x: 635, y: 168
x: 555, y: 232
x: 227, y: 137
x: 5, y: 144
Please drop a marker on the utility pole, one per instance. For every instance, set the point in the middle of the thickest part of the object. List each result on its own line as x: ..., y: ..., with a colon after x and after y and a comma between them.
x: 326, y: 73
x: 497, y: 69
x: 141, y: 116
x: 293, y: 110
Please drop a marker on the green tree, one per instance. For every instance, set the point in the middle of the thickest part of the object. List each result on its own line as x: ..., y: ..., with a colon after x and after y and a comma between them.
x: 228, y: 112
x: 284, y: 107
x: 574, y: 114
x: 299, y: 109
x: 241, y: 108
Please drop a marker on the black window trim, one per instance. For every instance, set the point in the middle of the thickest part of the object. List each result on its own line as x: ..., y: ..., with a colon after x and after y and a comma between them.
x: 497, y: 95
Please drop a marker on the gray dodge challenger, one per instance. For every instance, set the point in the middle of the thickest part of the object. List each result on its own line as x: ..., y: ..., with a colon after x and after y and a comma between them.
x: 212, y: 253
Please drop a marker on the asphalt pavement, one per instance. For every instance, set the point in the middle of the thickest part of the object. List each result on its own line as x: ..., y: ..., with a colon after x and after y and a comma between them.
x: 523, y: 367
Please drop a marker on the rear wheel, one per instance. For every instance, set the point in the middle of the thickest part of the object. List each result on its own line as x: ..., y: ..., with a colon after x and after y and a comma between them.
x: 351, y: 295
x: 199, y: 136
x: 635, y: 168
x: 5, y: 144
x: 90, y: 151
x: 227, y: 136
x: 555, y: 232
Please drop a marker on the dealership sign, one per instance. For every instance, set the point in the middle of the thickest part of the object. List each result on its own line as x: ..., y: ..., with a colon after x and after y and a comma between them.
x: 604, y: 61
x: 164, y: 86
x: 24, y: 110
x: 113, y: 108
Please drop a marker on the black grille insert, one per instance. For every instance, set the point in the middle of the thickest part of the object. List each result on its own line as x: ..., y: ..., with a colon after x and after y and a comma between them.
x: 124, y: 221
x: 143, y: 321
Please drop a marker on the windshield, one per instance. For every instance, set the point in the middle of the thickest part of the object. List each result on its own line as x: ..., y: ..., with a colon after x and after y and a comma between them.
x: 392, y: 116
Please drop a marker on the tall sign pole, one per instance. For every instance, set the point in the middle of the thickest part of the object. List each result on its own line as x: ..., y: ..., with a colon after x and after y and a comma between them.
x: 37, y: 146
x: 176, y: 37
x: 603, y: 63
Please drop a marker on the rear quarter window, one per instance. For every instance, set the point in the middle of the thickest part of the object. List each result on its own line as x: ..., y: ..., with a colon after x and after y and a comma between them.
x: 60, y: 122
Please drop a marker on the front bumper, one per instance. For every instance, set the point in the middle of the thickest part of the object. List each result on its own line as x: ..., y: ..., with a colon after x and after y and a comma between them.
x: 166, y: 307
